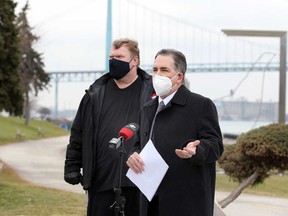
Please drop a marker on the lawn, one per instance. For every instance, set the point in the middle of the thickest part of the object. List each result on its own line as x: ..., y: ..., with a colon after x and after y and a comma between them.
x: 275, y: 185
x: 9, y: 126
x: 18, y: 197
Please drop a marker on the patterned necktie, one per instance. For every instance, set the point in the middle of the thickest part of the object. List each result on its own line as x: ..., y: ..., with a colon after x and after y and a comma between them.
x: 161, y: 105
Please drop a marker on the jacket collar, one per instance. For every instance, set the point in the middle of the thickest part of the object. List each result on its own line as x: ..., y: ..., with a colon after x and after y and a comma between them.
x: 179, y: 98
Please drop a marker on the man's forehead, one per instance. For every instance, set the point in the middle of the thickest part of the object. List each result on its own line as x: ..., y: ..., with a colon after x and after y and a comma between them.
x: 120, y: 49
x: 123, y: 51
x: 163, y: 61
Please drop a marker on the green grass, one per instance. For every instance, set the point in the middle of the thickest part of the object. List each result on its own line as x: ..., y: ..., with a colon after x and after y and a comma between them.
x: 18, y: 197
x: 275, y: 185
x: 9, y: 125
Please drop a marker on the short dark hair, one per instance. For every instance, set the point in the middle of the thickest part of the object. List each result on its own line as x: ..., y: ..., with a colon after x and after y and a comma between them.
x: 179, y: 58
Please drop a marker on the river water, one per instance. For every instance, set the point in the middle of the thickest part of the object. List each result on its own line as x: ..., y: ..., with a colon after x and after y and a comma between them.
x: 238, y: 127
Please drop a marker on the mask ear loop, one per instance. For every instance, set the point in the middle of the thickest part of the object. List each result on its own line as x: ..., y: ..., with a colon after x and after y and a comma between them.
x: 129, y: 64
x: 173, y: 78
x: 175, y: 75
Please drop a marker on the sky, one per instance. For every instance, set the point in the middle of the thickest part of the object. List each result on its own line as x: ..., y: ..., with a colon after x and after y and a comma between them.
x: 72, y: 38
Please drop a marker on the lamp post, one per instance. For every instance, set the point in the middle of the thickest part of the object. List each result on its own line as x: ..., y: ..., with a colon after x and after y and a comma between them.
x: 283, y: 58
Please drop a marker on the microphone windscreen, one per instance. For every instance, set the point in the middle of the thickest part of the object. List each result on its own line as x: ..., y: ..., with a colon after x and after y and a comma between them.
x: 128, y: 131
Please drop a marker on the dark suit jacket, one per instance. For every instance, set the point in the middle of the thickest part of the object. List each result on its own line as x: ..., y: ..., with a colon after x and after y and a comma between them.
x: 189, y: 185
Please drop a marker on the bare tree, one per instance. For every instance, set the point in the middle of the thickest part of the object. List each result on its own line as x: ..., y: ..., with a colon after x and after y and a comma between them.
x: 44, y: 112
x: 32, y: 74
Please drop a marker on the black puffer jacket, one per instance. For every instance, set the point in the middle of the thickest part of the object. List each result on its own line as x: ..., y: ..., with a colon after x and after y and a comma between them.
x: 85, y: 126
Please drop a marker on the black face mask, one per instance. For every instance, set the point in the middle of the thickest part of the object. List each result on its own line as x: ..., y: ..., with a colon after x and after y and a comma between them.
x: 118, y: 69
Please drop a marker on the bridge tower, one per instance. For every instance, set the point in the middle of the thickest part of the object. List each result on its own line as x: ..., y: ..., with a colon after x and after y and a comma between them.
x: 108, y: 33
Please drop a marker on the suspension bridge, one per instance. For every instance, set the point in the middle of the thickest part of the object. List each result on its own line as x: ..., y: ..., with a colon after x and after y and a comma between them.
x: 206, y: 51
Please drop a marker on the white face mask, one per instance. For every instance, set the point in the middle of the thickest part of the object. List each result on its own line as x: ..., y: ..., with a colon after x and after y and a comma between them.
x: 162, y: 84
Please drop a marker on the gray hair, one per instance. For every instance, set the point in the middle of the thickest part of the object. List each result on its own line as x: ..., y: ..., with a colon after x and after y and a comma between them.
x: 179, y: 58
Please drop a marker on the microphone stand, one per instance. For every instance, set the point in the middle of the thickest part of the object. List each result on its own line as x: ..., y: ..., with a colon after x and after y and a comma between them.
x: 119, y: 204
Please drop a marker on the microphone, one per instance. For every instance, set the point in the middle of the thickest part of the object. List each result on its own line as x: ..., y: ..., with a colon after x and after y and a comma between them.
x: 128, y: 131
x: 124, y: 134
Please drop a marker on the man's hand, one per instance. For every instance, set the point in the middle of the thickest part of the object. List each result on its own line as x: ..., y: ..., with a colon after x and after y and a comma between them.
x: 188, y: 151
x: 73, y: 178
x: 136, y: 163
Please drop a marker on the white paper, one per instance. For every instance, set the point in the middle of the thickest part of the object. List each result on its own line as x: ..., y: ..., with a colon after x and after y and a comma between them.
x: 155, y: 169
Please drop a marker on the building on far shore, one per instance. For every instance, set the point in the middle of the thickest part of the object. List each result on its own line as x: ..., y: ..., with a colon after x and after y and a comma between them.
x: 246, y: 110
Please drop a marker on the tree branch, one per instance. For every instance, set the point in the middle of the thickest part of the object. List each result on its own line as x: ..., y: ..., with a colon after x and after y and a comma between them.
x: 236, y: 193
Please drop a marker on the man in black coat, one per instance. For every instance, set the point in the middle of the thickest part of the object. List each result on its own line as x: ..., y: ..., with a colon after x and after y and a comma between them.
x: 112, y: 101
x: 187, y: 135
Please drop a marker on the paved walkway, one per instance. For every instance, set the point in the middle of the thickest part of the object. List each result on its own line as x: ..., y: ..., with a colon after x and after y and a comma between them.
x: 42, y: 163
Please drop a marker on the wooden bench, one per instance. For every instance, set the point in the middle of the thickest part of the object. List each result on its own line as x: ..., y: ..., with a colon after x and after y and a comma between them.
x: 20, y: 135
x: 40, y: 132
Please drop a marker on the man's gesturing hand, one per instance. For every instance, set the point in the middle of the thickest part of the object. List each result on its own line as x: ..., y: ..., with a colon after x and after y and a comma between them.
x: 188, y: 151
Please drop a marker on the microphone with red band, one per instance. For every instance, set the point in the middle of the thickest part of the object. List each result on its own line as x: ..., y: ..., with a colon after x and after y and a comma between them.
x: 128, y: 131
x: 124, y: 134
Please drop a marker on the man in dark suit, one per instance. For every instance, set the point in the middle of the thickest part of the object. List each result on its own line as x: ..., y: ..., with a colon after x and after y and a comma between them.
x: 187, y: 135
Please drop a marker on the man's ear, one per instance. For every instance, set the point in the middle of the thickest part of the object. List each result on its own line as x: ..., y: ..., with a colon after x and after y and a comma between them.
x: 180, y: 78
x: 136, y: 61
